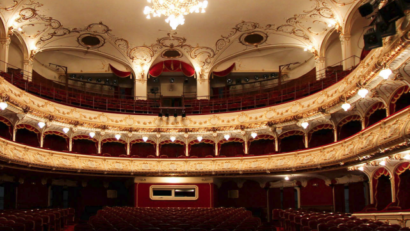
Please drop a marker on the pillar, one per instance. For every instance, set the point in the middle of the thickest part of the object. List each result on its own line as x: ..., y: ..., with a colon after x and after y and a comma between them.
x: 216, y: 148
x: 298, y: 195
x: 363, y: 123
x: 4, y: 53
x: 42, y: 140
x: 99, y: 146
x: 320, y: 67
x: 70, y: 143
x: 348, y: 60
x: 335, y: 133
x: 157, y: 149
x: 203, y: 88
x: 128, y: 147
x: 186, y: 147
x: 393, y: 188
x: 28, y: 69
x: 14, y: 132
x: 246, y: 146
x: 306, y: 138
x: 277, y: 144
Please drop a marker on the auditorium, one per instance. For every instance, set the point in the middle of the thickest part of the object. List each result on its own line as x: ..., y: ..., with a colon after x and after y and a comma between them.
x: 205, y: 115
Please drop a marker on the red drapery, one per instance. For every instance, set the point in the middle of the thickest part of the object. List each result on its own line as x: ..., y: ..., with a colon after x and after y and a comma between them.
x: 316, y: 193
x: 171, y: 66
x: 27, y: 134
x: 55, y: 141
x: 381, y: 188
x: 121, y: 74
x: 224, y: 72
x: 321, y: 135
x: 172, y: 150
x: 291, y: 141
x: 349, y: 126
x: 356, y: 197
x: 233, y: 149
x: 339, y: 190
x: 399, y: 92
x: 6, y: 129
x: 376, y: 118
x: 262, y: 144
x: 402, y: 180
x: 85, y: 144
x: 113, y: 146
x: 143, y: 149
x: 206, y: 144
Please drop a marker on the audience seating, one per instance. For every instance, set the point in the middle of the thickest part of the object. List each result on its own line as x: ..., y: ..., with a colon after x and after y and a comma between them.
x: 173, y: 219
x: 36, y: 219
x: 303, y: 220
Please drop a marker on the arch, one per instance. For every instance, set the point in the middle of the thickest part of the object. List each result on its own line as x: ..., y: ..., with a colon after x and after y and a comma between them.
x: 55, y: 140
x: 333, y: 50
x: 171, y: 66
x: 201, y: 148
x: 291, y: 141
x: 172, y: 149
x: 231, y: 147
x: 349, y: 126
x: 113, y: 147
x: 381, y: 188
x: 27, y: 134
x: 402, y: 185
x: 140, y: 148
x: 401, y: 93
x: 6, y: 128
x: 84, y: 144
x: 262, y: 144
x: 321, y: 135
x: 375, y: 113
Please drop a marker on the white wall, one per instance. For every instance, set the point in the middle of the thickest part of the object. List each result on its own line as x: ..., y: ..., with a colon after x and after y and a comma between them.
x: 16, y: 57
x: 356, y: 35
x: 333, y: 53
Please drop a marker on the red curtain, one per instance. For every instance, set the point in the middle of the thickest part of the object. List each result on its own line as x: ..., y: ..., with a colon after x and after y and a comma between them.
x: 143, y: 149
x: 339, y: 198
x: 55, y: 142
x: 119, y: 73
x: 5, y: 131
x: 291, y: 141
x: 113, y: 148
x: 172, y: 66
x: 349, y: 129
x: 202, y: 150
x: 381, y: 188
x: 402, y: 180
x: 224, y: 72
x: 27, y: 137
x: 316, y: 193
x: 172, y: 150
x: 376, y: 113
x: 289, y: 198
x: 231, y: 149
x: 261, y: 147
x: 356, y: 197
x: 321, y: 137
x: 85, y: 146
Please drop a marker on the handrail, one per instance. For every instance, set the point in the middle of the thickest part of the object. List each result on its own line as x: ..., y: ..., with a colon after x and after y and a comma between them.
x: 267, y: 95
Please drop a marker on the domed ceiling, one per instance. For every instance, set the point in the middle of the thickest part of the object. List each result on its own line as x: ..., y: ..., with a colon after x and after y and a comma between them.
x: 209, y: 38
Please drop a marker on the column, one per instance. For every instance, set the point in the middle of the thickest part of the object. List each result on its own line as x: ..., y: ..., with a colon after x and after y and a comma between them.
x: 99, y: 146
x: 4, y: 53
x: 320, y: 67
x: 277, y: 144
x: 306, y: 138
x: 393, y: 188
x: 14, y: 132
x: 348, y: 60
x: 216, y: 148
x: 157, y: 149
x: 202, y: 88
x: 335, y: 133
x: 70, y: 143
x: 42, y: 139
x: 28, y: 69
x: 128, y: 147
x: 363, y: 123
x: 246, y: 146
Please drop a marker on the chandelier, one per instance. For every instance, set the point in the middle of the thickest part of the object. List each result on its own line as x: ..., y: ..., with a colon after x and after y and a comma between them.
x: 175, y: 10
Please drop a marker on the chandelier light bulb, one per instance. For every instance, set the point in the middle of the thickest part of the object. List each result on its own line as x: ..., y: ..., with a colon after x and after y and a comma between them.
x: 172, y: 138
x: 92, y: 134
x: 385, y: 73
x: 41, y: 124
x: 145, y: 138
x: 331, y: 23
x: 305, y: 125
x: 19, y: 29
x: 361, y: 168
x: 363, y: 92
x: 227, y: 136
x: 407, y: 157
x: 254, y: 135
x: 286, y: 178
x: 66, y: 130
x: 117, y: 136
x: 346, y: 106
x: 3, y: 105
x: 382, y: 163
x: 199, y: 138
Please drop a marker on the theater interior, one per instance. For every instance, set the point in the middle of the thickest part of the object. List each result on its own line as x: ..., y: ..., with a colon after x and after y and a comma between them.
x: 205, y: 115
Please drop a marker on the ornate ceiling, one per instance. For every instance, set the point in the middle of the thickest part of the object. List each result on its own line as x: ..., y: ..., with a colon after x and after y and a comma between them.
x: 205, y: 39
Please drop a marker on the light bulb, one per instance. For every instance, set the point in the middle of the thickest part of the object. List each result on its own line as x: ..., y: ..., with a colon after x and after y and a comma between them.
x: 65, y: 130
x: 3, y: 105
x: 254, y: 135
x: 227, y: 136
x: 145, y: 138
x: 361, y: 168
x: 148, y: 17
x: 172, y: 138
x: 385, y: 73
x: 41, y: 124
x: 92, y: 134
x: 346, y: 106
x: 199, y: 138
x: 382, y: 163
x: 19, y: 29
x: 117, y: 136
x: 305, y: 125
x: 363, y: 92
x: 407, y: 157
x: 305, y: 49
x: 286, y: 178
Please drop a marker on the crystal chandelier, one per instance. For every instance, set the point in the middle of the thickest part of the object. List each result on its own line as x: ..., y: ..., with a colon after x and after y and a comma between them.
x: 175, y: 10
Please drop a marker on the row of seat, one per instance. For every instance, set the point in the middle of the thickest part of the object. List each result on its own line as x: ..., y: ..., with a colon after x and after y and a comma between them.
x: 36, y: 219
x: 173, y: 219
x: 232, y: 102
x: 302, y: 220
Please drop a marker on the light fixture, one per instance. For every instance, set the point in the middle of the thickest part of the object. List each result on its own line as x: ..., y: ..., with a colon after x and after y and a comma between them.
x: 41, y: 124
x: 407, y: 157
x: 305, y: 125
x: 361, y: 168
x: 199, y: 138
x: 65, y: 130
x: 117, y: 136
x: 92, y: 134
x: 286, y: 178
x: 172, y: 138
x: 19, y: 29
x: 227, y: 136
x: 254, y: 135
x: 346, y: 106
x: 382, y: 163
x: 331, y: 23
x: 145, y: 138
x: 174, y: 10
x: 385, y: 73
x: 3, y: 105
x: 363, y: 92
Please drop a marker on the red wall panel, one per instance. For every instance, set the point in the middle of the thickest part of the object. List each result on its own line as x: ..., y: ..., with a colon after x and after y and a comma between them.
x: 316, y: 192
x: 205, y: 197
x: 32, y: 195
